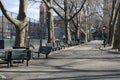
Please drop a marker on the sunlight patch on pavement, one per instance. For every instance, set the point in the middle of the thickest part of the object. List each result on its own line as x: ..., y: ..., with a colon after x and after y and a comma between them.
x: 83, y: 48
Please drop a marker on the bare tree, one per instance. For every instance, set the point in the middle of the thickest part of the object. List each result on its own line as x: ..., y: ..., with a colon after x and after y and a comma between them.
x: 20, y: 23
x: 88, y: 16
x: 67, y: 17
x: 73, y: 7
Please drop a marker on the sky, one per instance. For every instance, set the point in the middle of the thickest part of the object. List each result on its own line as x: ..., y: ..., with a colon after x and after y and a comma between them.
x: 32, y: 10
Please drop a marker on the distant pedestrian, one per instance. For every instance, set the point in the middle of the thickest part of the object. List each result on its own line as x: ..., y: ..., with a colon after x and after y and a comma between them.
x: 64, y: 38
x: 104, y: 37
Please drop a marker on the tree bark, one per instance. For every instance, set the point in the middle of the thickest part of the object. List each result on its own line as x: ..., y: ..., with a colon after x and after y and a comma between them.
x: 67, y: 26
x: 51, y: 36
x: 20, y: 23
x: 117, y: 32
x: 115, y: 10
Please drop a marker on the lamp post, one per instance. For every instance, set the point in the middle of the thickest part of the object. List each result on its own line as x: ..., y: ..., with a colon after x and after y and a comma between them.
x: 28, y: 41
x: 2, y: 41
x: 46, y: 24
x: 2, y: 25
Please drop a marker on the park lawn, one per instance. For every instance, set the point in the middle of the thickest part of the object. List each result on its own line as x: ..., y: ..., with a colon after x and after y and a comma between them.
x: 0, y: 77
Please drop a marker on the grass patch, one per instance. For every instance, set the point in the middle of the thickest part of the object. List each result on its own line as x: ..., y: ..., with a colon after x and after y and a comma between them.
x: 0, y: 77
x: 1, y: 60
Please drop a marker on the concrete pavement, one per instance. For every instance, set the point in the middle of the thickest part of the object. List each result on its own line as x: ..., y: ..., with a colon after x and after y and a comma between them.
x: 84, y: 62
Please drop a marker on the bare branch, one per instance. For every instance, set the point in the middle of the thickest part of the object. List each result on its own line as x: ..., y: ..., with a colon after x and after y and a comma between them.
x: 46, y: 3
x: 58, y: 5
x: 77, y: 11
x: 71, y: 8
x: 58, y: 13
x: 10, y: 18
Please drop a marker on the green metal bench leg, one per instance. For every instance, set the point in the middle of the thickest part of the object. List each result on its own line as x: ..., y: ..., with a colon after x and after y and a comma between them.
x: 46, y: 56
x: 38, y: 55
x: 8, y: 64
x: 27, y: 62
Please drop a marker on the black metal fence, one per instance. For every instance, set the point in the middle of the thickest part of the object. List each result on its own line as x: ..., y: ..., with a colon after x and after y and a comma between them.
x: 37, y: 34
x: 7, y: 30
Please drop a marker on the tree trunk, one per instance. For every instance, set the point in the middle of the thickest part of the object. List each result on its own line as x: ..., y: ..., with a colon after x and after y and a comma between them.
x: 21, y: 36
x: 51, y: 37
x: 117, y: 32
x: 77, y: 33
x: 115, y: 21
x: 21, y: 29
x: 111, y: 31
x: 86, y: 36
x: 111, y: 27
x: 20, y: 23
x: 67, y: 27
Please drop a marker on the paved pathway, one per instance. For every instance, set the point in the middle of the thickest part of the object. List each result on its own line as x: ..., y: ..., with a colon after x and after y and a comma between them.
x: 84, y: 62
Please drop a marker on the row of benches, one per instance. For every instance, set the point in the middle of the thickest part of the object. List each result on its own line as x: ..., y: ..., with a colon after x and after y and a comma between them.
x: 58, y: 45
x: 9, y: 56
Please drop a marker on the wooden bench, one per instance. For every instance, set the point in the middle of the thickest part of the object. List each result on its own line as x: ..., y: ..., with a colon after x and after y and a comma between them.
x: 44, y: 50
x: 16, y: 54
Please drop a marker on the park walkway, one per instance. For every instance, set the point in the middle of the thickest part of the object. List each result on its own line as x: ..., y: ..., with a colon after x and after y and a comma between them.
x: 85, y: 62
